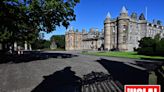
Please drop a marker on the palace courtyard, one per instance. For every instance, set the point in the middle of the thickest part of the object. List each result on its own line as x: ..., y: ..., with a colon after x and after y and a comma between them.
x: 27, y: 75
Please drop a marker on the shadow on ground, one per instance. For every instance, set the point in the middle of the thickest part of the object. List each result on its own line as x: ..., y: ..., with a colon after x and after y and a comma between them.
x: 66, y: 81
x: 155, y: 66
x: 160, y: 79
x: 152, y: 59
x: 60, y: 81
x: 31, y: 56
x: 125, y: 73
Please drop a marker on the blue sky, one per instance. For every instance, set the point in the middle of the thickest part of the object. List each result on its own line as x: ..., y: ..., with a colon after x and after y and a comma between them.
x: 91, y: 13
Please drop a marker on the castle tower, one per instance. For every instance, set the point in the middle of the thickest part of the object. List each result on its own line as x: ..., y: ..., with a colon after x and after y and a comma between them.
x: 143, y: 25
x: 107, y: 33
x: 123, y: 24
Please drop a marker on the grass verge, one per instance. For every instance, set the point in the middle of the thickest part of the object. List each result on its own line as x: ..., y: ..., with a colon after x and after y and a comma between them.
x: 133, y: 55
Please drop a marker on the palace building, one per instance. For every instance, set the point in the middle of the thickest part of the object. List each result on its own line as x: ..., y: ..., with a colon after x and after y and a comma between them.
x: 122, y: 33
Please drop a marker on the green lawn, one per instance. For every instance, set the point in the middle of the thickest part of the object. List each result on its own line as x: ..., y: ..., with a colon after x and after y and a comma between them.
x: 123, y: 54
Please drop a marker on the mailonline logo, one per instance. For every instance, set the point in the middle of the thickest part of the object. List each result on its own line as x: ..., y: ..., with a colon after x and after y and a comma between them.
x: 142, y: 88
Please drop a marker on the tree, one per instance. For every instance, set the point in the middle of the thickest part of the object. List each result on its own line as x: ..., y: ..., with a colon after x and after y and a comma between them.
x: 41, y: 44
x: 59, y: 40
x: 149, y: 46
x: 23, y: 19
x: 146, y: 42
x: 48, y: 14
x: 160, y: 47
x: 146, y: 46
x: 157, y: 37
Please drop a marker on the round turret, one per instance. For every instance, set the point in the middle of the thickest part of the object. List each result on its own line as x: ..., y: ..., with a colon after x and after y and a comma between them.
x: 107, y: 33
x: 107, y: 19
x: 134, y: 16
x: 123, y: 24
x: 123, y: 13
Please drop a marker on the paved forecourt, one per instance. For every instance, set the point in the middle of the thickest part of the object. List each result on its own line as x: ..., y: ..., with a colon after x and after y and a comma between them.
x: 24, y: 77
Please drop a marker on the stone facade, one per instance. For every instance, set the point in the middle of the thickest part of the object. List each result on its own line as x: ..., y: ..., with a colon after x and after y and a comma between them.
x: 84, y: 40
x: 122, y: 33
x: 73, y: 40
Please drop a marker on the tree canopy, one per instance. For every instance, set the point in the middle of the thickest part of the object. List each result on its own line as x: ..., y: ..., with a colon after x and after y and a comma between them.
x: 59, y: 40
x: 24, y: 19
x: 151, y: 46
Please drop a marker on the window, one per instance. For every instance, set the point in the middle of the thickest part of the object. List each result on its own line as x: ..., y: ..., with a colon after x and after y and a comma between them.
x: 125, y: 28
x: 113, y: 29
x: 131, y: 28
x: 136, y: 39
x: 71, y: 41
x: 130, y: 38
x: 76, y: 41
x: 124, y: 39
x: 137, y: 26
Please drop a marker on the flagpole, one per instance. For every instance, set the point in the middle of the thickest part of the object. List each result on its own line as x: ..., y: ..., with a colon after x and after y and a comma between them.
x: 146, y: 12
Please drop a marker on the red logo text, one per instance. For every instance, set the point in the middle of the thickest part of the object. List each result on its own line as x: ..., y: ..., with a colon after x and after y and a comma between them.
x: 142, y: 88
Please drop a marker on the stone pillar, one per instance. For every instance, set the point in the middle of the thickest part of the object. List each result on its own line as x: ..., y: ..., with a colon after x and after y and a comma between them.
x: 25, y: 46
x: 107, y: 33
x: 30, y: 48
x: 152, y: 78
x: 0, y: 46
x: 15, y: 46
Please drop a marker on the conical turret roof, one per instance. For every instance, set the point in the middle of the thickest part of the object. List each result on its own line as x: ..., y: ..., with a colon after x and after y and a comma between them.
x: 108, y: 15
x: 124, y: 10
x: 142, y: 17
x: 134, y: 15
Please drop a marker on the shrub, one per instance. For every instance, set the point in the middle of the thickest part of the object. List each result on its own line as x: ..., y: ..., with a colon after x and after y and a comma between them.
x: 146, y: 51
x: 160, y: 48
x: 149, y: 46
